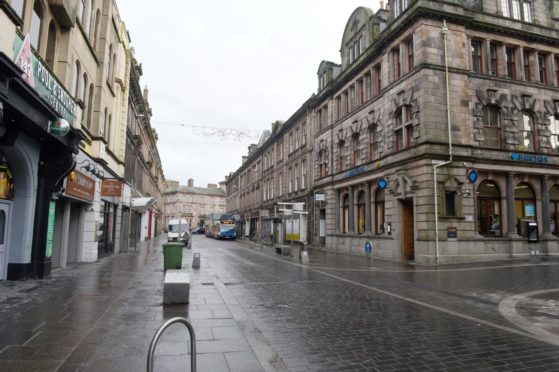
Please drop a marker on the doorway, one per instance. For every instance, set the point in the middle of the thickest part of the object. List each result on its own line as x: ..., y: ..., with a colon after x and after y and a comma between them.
x: 4, y: 222
x: 407, y: 230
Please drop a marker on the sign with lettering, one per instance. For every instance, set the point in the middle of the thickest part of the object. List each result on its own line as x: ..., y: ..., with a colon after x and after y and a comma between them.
x: 541, y: 159
x: 111, y: 187
x: 40, y: 78
x: 355, y: 171
x: 452, y: 232
x: 80, y: 186
x: 50, y: 228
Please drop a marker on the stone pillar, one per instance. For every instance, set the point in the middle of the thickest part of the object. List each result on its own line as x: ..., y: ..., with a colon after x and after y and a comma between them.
x: 351, y: 227
x: 368, y: 208
x: 337, y: 211
x: 545, y: 206
x: 511, y: 223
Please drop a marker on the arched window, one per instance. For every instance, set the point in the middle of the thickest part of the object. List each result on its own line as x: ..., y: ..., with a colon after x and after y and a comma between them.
x: 379, y: 212
x: 76, y: 79
x: 361, y: 212
x: 110, y: 64
x: 105, y: 121
x: 96, y: 29
x: 36, y: 24
x: 489, y: 221
x: 554, y: 210
x: 113, y: 79
x: 83, y: 88
x: 341, y: 156
x: 373, y: 143
x: 90, y: 105
x: 524, y: 205
x: 51, y: 46
x: 354, y: 150
x: 18, y: 6
x: 108, y: 136
x: 491, y: 127
x: 554, y: 129
x: 345, y: 214
x: 526, y: 132
x: 86, y: 15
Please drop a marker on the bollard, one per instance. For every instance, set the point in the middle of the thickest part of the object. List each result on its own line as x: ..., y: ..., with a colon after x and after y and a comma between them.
x: 534, y: 257
x: 305, y: 257
x: 196, y: 261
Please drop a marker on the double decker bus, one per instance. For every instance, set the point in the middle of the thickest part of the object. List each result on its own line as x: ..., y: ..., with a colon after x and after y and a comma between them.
x: 221, y: 226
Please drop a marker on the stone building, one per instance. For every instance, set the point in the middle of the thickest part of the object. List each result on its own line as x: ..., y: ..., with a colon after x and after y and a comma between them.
x: 436, y: 137
x: 192, y: 203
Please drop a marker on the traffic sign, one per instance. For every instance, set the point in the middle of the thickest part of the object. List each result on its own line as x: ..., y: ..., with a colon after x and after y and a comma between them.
x: 368, y: 247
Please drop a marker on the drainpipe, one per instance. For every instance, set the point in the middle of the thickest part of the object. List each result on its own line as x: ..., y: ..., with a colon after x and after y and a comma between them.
x: 445, y: 33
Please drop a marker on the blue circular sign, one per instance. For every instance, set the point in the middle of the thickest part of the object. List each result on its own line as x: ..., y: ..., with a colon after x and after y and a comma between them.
x: 368, y: 247
x: 382, y: 183
x: 472, y: 175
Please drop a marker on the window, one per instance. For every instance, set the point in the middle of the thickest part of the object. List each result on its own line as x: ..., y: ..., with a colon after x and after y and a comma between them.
x: 90, y: 105
x: 554, y: 210
x: 524, y: 205
x: 404, y: 129
x: 352, y: 104
x: 341, y: 156
x: 321, y: 164
x: 17, y: 6
x: 75, y: 79
x: 476, y: 57
x: 36, y: 25
x: 339, y: 113
x: 345, y: 214
x: 397, y: 9
x: 110, y: 65
x: 86, y: 16
x: 51, y: 46
x: 505, y: 8
x: 297, y: 175
x: 409, y: 45
x: 296, y: 138
x: 488, y: 209
x: 354, y: 150
x: 304, y: 134
x: 491, y: 127
x: 557, y: 70
x: 527, y: 66
x: 511, y: 65
x: 379, y: 212
x: 361, y: 212
x: 346, y: 102
x: 291, y: 142
x: 108, y: 136
x: 516, y: 9
x: 373, y: 146
x: 105, y: 120
x: 494, y: 63
x: 396, y: 63
x: 83, y: 88
x: 360, y: 92
x: 554, y: 129
x: 377, y: 77
x: 96, y: 29
x: 527, y: 10
x: 542, y: 68
x: 290, y: 176
x: 367, y: 86
x: 527, y: 137
x: 303, y: 174
x: 324, y: 117
x: 450, y: 203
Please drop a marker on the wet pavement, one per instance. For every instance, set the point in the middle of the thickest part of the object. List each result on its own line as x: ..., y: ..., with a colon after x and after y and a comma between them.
x: 254, y: 310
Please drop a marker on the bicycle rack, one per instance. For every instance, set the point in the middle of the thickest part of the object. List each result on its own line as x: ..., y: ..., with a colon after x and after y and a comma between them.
x: 158, y: 334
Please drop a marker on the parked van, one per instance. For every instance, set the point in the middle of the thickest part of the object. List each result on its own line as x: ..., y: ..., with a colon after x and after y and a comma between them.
x: 177, y: 228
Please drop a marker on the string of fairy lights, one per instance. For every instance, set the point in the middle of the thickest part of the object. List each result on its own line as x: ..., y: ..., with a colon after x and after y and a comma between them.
x: 216, y: 133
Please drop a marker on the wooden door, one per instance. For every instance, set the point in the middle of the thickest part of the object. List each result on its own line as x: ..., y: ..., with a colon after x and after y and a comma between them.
x: 407, y: 230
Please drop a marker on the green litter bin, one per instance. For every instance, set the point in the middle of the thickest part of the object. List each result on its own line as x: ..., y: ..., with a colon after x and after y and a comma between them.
x: 172, y: 255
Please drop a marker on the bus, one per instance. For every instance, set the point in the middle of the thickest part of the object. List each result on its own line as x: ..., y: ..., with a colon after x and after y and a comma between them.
x: 221, y: 226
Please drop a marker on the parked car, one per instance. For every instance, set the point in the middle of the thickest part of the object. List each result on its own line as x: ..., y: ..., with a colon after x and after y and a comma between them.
x: 199, y: 230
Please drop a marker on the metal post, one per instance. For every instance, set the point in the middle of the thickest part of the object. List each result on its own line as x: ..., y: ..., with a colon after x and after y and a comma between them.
x: 155, y: 339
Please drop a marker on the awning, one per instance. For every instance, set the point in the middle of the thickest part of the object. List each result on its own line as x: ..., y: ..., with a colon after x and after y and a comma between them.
x: 142, y: 204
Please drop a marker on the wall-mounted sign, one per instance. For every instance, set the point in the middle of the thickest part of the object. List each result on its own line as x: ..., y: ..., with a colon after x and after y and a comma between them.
x: 355, y: 171
x: 59, y: 127
x: 6, y: 182
x: 50, y: 229
x: 368, y: 247
x: 472, y: 175
x: 40, y: 78
x: 320, y: 197
x: 452, y: 232
x: 111, y: 187
x: 516, y: 156
x: 80, y: 186
x: 382, y: 183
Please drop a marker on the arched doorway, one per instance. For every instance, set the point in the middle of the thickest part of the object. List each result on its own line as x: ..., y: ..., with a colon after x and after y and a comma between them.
x: 489, y: 220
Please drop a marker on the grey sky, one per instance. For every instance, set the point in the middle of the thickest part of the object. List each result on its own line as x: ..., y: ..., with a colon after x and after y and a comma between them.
x: 228, y: 64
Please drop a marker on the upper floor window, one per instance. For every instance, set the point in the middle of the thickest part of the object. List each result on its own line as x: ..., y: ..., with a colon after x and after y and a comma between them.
x: 476, y: 57
x: 296, y: 138
x: 494, y: 62
x: 527, y: 75
x: 351, y: 97
x: 403, y: 127
x: 339, y: 113
x: 491, y: 127
x: 409, y: 46
x: 557, y: 70
x: 377, y: 79
x: 554, y: 129
x: 304, y: 134
x: 373, y: 143
x: 303, y: 174
x: 367, y: 83
x: 521, y: 9
x: 354, y: 150
x: 511, y: 64
x: 36, y: 25
x: 291, y: 142
x: 399, y: 6
x: 17, y: 6
x: 396, y: 63
x: 526, y: 132
x: 542, y: 68
x: 341, y: 156
x: 290, y: 176
x: 75, y: 79
x: 50, y: 56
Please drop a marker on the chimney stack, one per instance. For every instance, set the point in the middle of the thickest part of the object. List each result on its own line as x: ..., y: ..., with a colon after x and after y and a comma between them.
x: 190, y: 182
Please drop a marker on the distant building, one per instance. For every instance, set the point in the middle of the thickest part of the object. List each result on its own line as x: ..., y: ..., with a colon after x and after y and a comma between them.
x: 193, y: 203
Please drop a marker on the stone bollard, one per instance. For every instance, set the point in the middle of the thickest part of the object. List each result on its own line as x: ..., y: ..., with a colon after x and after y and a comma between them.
x: 196, y: 261
x: 305, y: 258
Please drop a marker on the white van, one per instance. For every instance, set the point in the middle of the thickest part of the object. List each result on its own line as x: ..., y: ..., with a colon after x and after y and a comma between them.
x: 176, y: 229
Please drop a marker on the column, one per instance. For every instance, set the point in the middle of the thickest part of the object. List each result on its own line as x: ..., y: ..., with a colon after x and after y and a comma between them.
x: 367, y: 207
x: 351, y: 227
x: 545, y: 206
x: 511, y: 221
x: 337, y: 211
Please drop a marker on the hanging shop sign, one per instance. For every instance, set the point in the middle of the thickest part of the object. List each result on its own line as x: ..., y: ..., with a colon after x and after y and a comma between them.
x: 59, y: 127
x: 39, y: 77
x: 382, y: 183
x: 472, y: 175
x: 80, y: 186
x: 540, y: 159
x: 50, y: 228
x: 111, y: 187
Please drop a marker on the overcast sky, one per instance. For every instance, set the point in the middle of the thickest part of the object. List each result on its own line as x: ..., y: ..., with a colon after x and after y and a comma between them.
x: 239, y: 64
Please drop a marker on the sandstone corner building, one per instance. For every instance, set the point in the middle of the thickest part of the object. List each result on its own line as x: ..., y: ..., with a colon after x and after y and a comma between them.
x: 437, y: 137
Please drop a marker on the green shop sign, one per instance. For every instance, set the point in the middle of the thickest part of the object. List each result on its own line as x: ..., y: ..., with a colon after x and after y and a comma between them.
x: 39, y: 77
x: 50, y: 229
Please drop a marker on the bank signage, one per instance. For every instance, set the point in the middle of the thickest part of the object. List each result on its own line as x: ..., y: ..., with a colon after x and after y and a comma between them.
x: 540, y: 159
x: 39, y: 77
x: 111, y: 187
x: 355, y: 171
x: 80, y: 186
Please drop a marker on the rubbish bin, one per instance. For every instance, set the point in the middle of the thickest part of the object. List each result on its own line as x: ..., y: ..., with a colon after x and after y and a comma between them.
x: 172, y: 255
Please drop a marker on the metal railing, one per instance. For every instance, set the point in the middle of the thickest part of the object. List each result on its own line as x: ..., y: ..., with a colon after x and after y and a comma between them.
x: 158, y: 334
